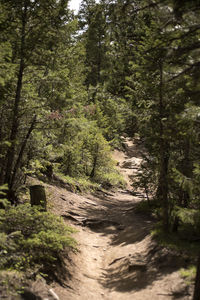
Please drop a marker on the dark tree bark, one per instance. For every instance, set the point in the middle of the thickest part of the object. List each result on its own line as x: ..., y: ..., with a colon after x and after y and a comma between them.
x: 163, y: 185
x: 162, y: 191
x: 92, y: 174
x: 175, y: 224
x: 15, y: 120
x: 2, y: 149
x: 196, y: 295
x: 186, y: 169
x: 23, y: 146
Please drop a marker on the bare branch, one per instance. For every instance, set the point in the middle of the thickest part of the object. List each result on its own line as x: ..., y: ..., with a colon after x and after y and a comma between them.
x: 185, y: 71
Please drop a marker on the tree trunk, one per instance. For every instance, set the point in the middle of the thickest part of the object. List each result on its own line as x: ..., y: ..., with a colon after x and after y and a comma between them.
x: 164, y: 159
x: 175, y: 224
x: 2, y: 149
x: 99, y: 60
x: 15, y: 120
x: 196, y: 295
x: 163, y: 185
x: 92, y: 174
x: 23, y: 146
x: 186, y: 169
x: 38, y: 196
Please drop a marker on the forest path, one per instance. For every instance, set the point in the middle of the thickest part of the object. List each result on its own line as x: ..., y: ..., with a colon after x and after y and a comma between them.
x: 117, y: 258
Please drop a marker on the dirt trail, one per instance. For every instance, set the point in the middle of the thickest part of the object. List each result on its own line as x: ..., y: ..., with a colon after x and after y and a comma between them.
x: 117, y: 259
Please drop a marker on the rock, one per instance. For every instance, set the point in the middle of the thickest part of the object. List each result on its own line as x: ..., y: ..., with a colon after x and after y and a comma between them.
x: 54, y: 295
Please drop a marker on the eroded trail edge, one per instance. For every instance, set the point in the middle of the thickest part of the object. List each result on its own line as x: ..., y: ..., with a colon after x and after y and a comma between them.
x: 117, y: 257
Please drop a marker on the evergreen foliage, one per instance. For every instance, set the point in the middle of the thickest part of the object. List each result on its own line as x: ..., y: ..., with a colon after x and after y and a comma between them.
x: 30, y: 237
x: 70, y: 86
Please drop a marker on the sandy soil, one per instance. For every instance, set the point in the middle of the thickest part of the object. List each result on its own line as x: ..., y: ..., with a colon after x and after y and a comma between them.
x: 117, y: 258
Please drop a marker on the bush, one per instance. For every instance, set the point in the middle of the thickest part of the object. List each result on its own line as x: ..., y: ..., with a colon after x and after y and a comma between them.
x: 175, y: 241
x: 113, y: 179
x: 189, y: 274
x: 29, y: 237
x: 147, y: 207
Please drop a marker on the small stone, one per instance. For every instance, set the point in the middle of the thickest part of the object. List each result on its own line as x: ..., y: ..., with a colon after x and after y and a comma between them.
x: 54, y: 295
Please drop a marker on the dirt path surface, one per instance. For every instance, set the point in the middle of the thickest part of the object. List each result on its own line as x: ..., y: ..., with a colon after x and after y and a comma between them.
x: 117, y: 258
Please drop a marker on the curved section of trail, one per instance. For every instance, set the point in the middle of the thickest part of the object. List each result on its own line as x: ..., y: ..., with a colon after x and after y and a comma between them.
x: 117, y: 258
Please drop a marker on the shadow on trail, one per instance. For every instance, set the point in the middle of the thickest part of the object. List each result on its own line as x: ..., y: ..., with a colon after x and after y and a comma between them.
x: 118, y: 219
x: 121, y: 279
x: 131, y: 235
x: 137, y: 272
x: 134, y: 271
x: 133, y: 150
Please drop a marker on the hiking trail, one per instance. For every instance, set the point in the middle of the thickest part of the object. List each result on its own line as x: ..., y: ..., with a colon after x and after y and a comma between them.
x: 117, y: 258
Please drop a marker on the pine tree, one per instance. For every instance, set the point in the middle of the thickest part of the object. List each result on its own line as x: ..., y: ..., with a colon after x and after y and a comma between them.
x: 92, y: 20
x: 159, y: 87
x: 32, y: 39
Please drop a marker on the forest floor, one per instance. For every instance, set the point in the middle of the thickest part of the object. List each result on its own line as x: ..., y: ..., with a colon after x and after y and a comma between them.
x: 117, y: 257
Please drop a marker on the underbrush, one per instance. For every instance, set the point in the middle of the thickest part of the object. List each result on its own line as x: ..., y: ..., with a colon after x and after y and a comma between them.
x: 85, y: 184
x: 31, y: 238
x: 181, y: 243
x: 11, y: 284
x: 79, y: 184
x: 188, y: 274
x: 147, y: 207
x: 176, y: 241
x: 185, y: 241
x: 111, y: 179
x: 186, y: 237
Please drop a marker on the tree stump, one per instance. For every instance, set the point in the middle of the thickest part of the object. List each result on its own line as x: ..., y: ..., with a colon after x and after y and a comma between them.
x: 38, y: 196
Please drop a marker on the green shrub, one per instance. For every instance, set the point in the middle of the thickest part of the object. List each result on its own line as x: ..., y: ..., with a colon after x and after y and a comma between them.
x: 11, y: 284
x: 189, y: 217
x: 189, y: 274
x: 113, y: 178
x: 29, y: 237
x: 3, y: 201
x: 77, y: 184
x: 175, y: 241
x: 147, y: 207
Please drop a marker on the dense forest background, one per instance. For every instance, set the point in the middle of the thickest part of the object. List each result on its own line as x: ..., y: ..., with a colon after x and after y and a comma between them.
x: 72, y: 85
